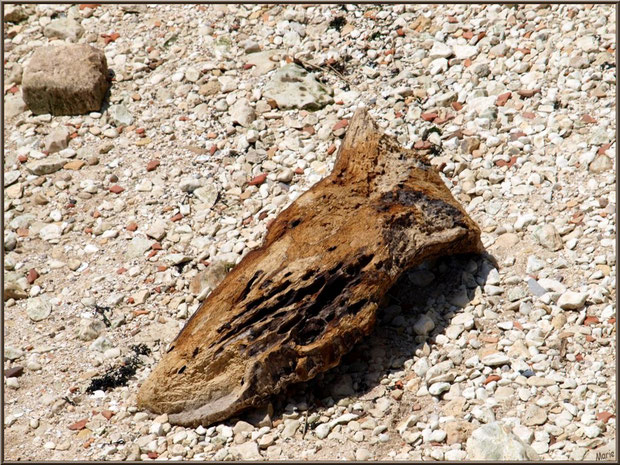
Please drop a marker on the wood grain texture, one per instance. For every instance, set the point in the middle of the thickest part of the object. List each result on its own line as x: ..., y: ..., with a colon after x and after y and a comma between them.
x: 291, y: 308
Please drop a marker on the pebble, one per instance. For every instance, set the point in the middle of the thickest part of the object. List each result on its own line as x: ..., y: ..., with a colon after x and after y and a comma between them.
x: 570, y: 300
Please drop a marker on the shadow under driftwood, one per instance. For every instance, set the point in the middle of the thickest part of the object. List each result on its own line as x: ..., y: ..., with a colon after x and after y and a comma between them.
x: 420, y: 307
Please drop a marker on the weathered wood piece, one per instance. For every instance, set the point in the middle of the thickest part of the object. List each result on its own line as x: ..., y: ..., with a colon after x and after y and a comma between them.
x: 291, y: 308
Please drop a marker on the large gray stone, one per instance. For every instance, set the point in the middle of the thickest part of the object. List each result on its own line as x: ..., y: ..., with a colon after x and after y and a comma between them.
x: 493, y: 441
x: 293, y: 87
x: 64, y: 28
x: 65, y: 80
x: 38, y: 308
x: 46, y: 166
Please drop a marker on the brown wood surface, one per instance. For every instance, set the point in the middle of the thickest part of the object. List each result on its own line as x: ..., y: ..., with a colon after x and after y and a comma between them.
x: 291, y: 308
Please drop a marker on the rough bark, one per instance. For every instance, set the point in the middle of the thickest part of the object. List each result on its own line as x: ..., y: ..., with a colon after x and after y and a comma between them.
x: 294, y: 306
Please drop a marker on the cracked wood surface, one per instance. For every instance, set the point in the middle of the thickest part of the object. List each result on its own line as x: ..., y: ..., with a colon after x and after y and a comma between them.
x: 293, y: 307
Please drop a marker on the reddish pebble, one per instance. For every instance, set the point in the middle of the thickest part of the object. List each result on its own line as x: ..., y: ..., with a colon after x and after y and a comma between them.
x: 603, y: 148
x: 331, y: 149
x: 611, y: 321
x: 88, y: 230
x: 22, y: 158
x: 131, y: 227
x: 248, y: 65
x: 579, y: 357
x: 32, y: 276
x: 121, y: 270
x: 96, y: 214
x: 340, y: 102
x: 79, y: 425
x: 262, y: 215
x: 152, y: 455
x: 130, y: 300
x: 588, y: 119
x: 400, y: 32
x: 589, y: 338
x: 309, y: 129
x: 517, y: 325
x: 299, y: 171
x: 590, y: 320
x: 492, y: 378
x: 162, y: 268
x: 258, y: 180
x: 152, y: 253
x: 429, y: 116
x: 457, y: 106
x: 343, y: 123
x: 467, y: 63
x: 604, y: 416
x: 152, y: 165
x: 140, y: 131
x: 468, y: 35
x: 529, y: 115
x: 213, y: 149
x: 156, y: 246
x: 176, y: 217
x: 502, y: 99
x: 116, y: 189
x: 107, y: 414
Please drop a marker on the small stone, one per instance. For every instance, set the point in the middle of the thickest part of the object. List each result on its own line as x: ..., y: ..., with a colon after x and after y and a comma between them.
x: 601, y: 164
x: 293, y: 87
x: 493, y: 442
x: 570, y: 300
x: 157, y: 230
x: 437, y: 388
x: 38, y: 308
x: 46, y: 166
x: 74, y: 165
x: 424, y: 325
x: 242, y: 112
x: 496, y: 359
x: 12, y: 353
x: 548, y: 237
x: 64, y: 28
x: 152, y: 165
x: 189, y: 184
x: 14, y: 372
x: 208, y: 195
x: 534, y: 415
x: 120, y: 115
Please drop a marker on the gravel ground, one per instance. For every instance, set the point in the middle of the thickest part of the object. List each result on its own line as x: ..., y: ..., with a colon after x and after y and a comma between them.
x: 160, y: 193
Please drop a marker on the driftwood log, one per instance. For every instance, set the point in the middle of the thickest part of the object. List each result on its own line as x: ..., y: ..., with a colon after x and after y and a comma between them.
x: 293, y: 307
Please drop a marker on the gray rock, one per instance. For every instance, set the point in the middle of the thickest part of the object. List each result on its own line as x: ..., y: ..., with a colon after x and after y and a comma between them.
x: 496, y: 359
x: 601, y: 164
x: 11, y: 177
x: 242, y: 112
x: 548, y: 237
x: 50, y: 233
x: 207, y: 195
x: 493, y: 441
x: 534, y: 415
x: 38, y: 308
x: 293, y: 87
x: 189, y: 184
x: 424, y: 325
x: 262, y: 62
x: 57, y: 139
x: 246, y: 451
x: 535, y: 288
x: 157, y: 230
x: 14, y: 105
x: 63, y: 28
x: 10, y: 241
x: 120, y: 115
x: 101, y: 344
x: 570, y: 300
x: 440, y: 50
x: 290, y: 428
x: 47, y: 165
x: 460, y: 298
x: 138, y: 246
x: 65, y: 80
x: 12, y: 353
x: 421, y: 278
x: 90, y: 329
